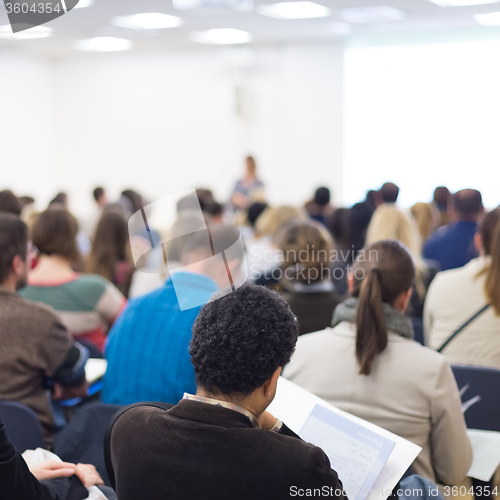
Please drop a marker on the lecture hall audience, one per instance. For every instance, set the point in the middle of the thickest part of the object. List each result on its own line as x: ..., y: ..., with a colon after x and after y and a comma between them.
x: 110, y: 256
x: 239, y: 346
x: 87, y: 304
x: 369, y: 365
x: 457, y: 295
x: 35, y: 344
x: 306, y: 274
x: 390, y: 223
x: 164, y: 346
x: 452, y: 246
x: 153, y: 332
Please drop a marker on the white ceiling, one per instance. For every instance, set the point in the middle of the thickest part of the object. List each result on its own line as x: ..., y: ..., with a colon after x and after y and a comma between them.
x: 423, y: 17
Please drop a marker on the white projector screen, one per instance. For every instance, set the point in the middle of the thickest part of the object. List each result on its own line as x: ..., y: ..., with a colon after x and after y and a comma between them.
x: 422, y: 116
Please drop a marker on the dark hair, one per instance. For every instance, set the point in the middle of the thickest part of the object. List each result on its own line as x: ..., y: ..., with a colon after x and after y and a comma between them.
x: 13, y: 241
x: 9, y: 202
x: 239, y: 340
x: 26, y: 200
x: 441, y: 197
x: 255, y: 211
x: 339, y: 227
x: 322, y: 196
x: 360, y: 216
x: 370, y: 200
x: 60, y: 198
x: 135, y: 199
x: 390, y: 192
x: 490, y: 234
x: 110, y: 246
x: 97, y: 193
x: 381, y: 273
x: 54, y: 233
x: 468, y: 203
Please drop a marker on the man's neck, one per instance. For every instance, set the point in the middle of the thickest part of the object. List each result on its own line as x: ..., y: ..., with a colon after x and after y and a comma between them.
x: 242, y: 402
x: 9, y: 284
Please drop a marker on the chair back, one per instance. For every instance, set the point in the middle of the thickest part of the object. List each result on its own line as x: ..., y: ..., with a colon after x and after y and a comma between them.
x: 22, y: 426
x: 418, y: 329
x: 480, y: 390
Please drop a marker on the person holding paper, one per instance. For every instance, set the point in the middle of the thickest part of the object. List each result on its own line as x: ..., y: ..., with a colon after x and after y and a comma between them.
x: 370, y: 366
x: 221, y: 444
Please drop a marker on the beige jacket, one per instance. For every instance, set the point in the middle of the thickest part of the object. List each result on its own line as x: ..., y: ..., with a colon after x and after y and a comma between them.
x: 454, y: 297
x: 411, y: 392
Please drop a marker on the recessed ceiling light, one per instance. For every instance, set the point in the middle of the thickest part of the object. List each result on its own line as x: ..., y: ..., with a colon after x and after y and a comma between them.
x: 221, y: 36
x: 82, y: 4
x: 462, y: 3
x: 293, y: 10
x: 490, y: 19
x: 147, y: 21
x: 30, y: 34
x: 103, y: 44
x: 372, y: 14
x: 341, y: 28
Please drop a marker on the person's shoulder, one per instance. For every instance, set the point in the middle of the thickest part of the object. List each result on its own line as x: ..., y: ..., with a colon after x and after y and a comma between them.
x: 137, y: 417
x: 91, y: 281
x: 42, y: 315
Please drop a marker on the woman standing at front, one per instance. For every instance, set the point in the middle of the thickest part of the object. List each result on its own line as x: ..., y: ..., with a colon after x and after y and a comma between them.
x: 370, y: 366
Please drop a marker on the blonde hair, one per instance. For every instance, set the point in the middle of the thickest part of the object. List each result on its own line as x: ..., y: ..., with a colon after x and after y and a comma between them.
x: 273, y: 218
x: 422, y: 213
x: 390, y: 223
x: 490, y: 235
x: 309, y: 238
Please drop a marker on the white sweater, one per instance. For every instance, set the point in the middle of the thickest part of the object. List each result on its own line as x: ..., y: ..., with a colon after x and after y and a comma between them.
x: 454, y: 297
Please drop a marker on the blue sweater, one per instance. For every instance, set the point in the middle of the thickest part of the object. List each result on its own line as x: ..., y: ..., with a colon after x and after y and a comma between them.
x: 452, y: 246
x: 147, y: 348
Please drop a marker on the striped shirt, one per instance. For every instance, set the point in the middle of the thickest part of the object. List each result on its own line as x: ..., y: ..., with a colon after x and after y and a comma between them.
x: 87, y: 304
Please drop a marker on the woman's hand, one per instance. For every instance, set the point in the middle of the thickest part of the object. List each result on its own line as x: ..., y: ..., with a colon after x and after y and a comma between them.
x: 88, y: 475
x: 52, y: 470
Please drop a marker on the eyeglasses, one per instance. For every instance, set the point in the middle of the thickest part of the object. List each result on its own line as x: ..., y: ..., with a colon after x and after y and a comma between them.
x: 34, y: 250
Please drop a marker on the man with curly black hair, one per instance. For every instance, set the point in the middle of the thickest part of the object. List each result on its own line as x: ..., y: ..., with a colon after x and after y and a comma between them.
x: 222, y: 444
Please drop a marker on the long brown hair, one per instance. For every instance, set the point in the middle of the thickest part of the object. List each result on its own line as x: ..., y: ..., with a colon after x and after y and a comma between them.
x: 110, y: 246
x: 381, y: 273
x: 490, y: 234
x: 54, y: 233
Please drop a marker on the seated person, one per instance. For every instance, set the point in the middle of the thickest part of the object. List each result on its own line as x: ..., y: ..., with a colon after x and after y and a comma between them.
x: 305, y: 275
x: 51, y: 480
x: 35, y: 345
x: 147, y: 351
x: 370, y: 366
x: 87, y: 304
x: 320, y: 208
x: 221, y: 443
x: 455, y: 296
x: 452, y: 246
x: 390, y: 223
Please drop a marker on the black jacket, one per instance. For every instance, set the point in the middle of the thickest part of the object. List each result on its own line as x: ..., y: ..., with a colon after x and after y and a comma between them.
x: 17, y: 482
x: 198, y: 451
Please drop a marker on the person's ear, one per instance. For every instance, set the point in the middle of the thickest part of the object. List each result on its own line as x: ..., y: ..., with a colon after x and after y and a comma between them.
x: 270, y: 384
x: 18, y: 265
x: 478, y: 243
x: 350, y: 282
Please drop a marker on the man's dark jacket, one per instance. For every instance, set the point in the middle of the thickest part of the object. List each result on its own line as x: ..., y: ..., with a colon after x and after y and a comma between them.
x: 198, y: 451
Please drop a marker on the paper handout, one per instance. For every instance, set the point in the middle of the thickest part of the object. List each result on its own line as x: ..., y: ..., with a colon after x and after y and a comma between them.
x: 368, y: 459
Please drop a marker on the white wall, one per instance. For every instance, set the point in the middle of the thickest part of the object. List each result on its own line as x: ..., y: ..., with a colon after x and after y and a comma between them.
x: 423, y: 115
x: 26, y: 126
x: 166, y: 122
